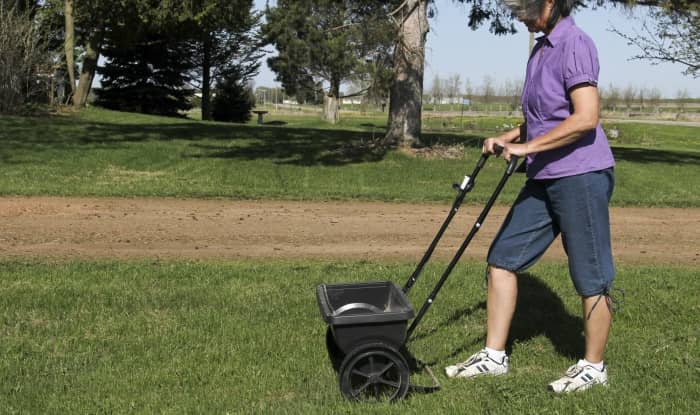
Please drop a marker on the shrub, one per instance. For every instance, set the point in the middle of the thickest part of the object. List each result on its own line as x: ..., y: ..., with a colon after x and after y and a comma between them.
x: 23, y: 58
x: 233, y: 101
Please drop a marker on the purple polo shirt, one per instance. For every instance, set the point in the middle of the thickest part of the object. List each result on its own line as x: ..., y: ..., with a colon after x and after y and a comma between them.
x: 565, y: 58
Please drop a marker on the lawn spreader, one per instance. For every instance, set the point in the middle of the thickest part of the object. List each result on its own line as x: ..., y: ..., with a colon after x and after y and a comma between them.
x: 367, y: 322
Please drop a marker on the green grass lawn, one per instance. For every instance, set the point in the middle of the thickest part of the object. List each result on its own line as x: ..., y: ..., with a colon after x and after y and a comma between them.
x: 104, y: 153
x: 246, y: 337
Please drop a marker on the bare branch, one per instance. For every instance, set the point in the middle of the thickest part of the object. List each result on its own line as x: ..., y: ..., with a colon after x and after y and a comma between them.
x: 670, y: 35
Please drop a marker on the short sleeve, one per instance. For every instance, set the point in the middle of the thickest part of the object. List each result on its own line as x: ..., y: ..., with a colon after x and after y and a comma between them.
x: 581, y: 63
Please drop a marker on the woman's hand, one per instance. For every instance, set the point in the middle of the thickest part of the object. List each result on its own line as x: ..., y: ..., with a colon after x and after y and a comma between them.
x: 505, y: 141
x: 490, y: 143
x: 509, y: 149
x: 514, y: 149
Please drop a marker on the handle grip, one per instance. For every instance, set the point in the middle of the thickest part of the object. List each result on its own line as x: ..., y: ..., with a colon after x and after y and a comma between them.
x: 498, y: 150
x: 512, y: 165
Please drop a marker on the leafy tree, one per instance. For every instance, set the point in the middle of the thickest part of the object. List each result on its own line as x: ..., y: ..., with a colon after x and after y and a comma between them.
x: 311, y: 93
x: 327, y: 41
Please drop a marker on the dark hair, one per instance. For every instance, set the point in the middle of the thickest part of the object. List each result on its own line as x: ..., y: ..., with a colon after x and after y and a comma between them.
x: 560, y: 9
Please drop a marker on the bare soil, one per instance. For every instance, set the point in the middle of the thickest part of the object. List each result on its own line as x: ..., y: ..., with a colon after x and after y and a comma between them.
x: 119, y: 228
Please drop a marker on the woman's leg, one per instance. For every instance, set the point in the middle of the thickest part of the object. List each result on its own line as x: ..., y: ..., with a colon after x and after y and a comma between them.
x: 590, y: 371
x: 500, y: 306
x: 525, y: 234
x: 580, y: 204
x: 597, y: 320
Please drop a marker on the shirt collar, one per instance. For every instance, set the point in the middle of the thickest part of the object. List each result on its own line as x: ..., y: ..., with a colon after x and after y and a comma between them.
x: 559, y: 31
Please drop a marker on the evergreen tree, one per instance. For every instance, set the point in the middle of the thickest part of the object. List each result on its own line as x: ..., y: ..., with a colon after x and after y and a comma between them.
x: 146, y: 71
x: 225, y: 43
x: 327, y: 41
x: 233, y: 100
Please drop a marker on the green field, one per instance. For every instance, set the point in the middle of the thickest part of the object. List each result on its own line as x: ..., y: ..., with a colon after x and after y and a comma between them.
x: 103, y: 153
x: 246, y: 337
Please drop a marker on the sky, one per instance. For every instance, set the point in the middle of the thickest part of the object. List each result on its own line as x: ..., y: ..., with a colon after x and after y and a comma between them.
x: 453, y: 48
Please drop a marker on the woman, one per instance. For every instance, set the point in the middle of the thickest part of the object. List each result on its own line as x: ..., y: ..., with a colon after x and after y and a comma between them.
x: 570, y: 181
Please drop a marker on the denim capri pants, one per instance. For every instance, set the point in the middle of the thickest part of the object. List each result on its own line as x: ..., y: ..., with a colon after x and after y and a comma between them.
x: 575, y: 207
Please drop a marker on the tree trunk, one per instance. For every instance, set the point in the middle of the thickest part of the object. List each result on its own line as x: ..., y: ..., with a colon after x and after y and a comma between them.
x: 331, y: 103
x: 87, y: 71
x: 69, y: 43
x: 406, y: 93
x: 206, y: 78
x: 330, y: 109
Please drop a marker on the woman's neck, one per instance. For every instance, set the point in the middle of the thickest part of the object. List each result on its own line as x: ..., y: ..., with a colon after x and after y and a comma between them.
x: 549, y: 30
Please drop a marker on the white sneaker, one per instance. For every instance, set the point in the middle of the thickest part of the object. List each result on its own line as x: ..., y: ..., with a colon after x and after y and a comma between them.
x: 477, y: 365
x: 580, y: 377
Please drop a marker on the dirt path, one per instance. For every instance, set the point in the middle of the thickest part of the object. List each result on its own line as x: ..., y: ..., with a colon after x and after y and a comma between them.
x: 206, y: 229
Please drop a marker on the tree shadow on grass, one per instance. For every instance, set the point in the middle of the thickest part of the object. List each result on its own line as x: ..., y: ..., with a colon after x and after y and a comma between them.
x: 370, y: 125
x: 281, y: 144
x: 469, y: 141
x: 643, y: 155
x: 539, y: 312
x: 297, y: 146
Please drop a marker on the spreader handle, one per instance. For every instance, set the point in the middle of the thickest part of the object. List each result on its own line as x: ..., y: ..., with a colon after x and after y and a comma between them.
x: 477, y: 225
x: 498, y: 150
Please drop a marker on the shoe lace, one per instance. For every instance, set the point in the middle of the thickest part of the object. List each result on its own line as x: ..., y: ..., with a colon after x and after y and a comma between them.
x: 574, y: 371
x: 473, y: 359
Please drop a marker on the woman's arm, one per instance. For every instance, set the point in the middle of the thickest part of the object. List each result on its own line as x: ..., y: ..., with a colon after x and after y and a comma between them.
x: 586, y: 103
x: 507, y: 137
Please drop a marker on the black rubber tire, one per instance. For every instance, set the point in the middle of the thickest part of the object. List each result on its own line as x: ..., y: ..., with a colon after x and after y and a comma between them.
x: 374, y: 371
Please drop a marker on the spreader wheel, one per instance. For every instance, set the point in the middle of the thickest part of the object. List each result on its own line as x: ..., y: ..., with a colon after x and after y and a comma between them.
x: 374, y: 371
